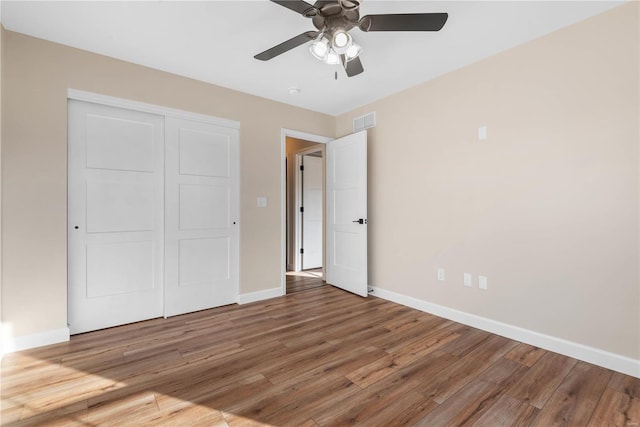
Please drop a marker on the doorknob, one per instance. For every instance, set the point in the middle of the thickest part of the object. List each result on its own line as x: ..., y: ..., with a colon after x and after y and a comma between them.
x: 360, y: 221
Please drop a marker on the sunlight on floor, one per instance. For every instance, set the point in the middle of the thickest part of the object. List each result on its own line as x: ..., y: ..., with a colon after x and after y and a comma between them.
x: 69, y: 396
x: 65, y: 392
x: 306, y: 273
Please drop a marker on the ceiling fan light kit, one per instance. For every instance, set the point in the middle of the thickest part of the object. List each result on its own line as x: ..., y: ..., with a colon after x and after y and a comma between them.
x: 333, y: 19
x: 329, y: 53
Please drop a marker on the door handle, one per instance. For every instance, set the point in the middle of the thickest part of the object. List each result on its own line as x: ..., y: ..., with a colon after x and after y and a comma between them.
x: 360, y: 221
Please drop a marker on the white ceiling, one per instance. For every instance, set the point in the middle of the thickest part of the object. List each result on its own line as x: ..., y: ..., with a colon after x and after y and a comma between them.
x: 215, y: 41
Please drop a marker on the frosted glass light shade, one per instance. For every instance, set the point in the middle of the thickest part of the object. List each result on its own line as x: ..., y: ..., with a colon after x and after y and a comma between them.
x: 332, y: 58
x: 341, y: 41
x: 320, y: 49
x: 353, y: 51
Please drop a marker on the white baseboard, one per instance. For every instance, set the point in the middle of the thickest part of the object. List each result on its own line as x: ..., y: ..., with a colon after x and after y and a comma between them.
x: 25, y: 342
x: 608, y: 360
x: 260, y: 295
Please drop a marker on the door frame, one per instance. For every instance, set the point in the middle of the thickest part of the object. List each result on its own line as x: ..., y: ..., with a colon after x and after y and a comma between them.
x: 112, y: 101
x: 283, y: 194
x: 297, y: 259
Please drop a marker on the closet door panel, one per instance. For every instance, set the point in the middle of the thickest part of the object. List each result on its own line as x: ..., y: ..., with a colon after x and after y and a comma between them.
x: 115, y: 216
x: 202, y: 198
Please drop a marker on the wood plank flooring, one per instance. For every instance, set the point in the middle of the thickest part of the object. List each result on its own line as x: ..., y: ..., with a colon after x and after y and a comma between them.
x: 297, y: 282
x: 317, y: 357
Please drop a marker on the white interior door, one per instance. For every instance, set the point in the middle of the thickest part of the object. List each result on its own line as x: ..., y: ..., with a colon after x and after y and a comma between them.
x: 312, y: 213
x: 202, y: 203
x: 115, y: 216
x: 347, y: 213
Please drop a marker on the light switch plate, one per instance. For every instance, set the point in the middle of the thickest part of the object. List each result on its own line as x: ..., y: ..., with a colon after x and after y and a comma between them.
x: 262, y: 202
x: 483, y: 282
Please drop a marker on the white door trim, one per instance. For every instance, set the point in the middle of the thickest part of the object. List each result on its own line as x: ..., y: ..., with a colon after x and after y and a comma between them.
x: 297, y: 259
x: 283, y: 193
x: 149, y: 108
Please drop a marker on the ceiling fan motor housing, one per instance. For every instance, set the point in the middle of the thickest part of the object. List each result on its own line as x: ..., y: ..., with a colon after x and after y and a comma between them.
x: 331, y: 16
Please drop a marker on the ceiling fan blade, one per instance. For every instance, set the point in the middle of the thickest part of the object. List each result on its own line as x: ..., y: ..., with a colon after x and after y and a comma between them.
x: 296, y: 5
x: 353, y: 67
x: 287, y: 45
x: 404, y: 22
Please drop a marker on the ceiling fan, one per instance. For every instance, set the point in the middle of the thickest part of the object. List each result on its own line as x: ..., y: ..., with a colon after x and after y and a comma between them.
x: 333, y: 20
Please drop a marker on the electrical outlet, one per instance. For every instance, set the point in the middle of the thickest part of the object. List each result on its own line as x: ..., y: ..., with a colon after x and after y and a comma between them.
x: 468, y: 280
x: 441, y: 274
x: 483, y: 282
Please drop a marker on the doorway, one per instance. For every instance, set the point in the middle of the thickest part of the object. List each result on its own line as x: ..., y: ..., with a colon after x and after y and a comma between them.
x: 305, y: 210
x: 304, y: 202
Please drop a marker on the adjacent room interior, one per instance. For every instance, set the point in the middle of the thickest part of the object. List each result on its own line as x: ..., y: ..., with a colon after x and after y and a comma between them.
x: 305, y: 214
x: 437, y: 226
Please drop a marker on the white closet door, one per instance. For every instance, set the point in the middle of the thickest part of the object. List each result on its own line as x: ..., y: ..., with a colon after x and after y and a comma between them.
x: 115, y: 217
x: 202, y: 202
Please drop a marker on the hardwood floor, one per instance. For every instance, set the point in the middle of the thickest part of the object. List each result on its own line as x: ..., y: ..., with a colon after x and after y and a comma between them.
x: 297, y: 282
x: 313, y: 358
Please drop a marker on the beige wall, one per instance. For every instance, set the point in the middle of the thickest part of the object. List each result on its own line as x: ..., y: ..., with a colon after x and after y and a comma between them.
x: 293, y: 146
x: 546, y: 207
x: 36, y: 75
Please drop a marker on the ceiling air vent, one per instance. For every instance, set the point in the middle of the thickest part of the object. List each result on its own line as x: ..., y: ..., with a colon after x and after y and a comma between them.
x: 364, y: 122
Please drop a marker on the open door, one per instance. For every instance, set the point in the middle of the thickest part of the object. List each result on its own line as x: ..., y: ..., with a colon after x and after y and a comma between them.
x: 347, y: 213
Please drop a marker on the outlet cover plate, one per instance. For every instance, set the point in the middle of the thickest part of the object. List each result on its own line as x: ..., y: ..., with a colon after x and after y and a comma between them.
x: 441, y: 274
x: 468, y: 280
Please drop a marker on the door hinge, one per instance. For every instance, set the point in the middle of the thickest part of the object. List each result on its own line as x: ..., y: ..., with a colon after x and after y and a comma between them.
x: 302, y: 167
x: 301, y: 250
x: 302, y: 209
